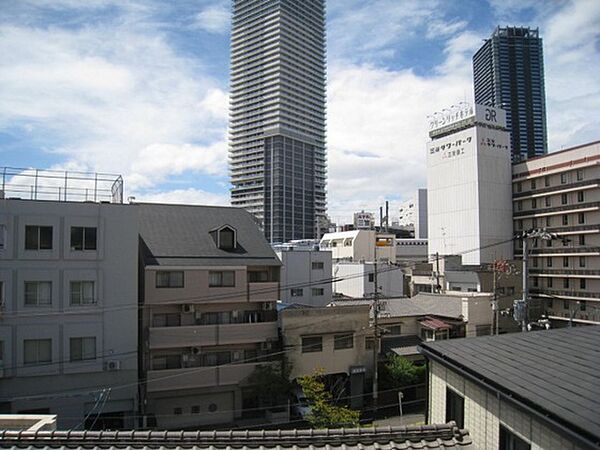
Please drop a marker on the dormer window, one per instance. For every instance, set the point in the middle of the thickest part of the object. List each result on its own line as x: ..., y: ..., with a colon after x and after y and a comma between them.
x: 225, y: 237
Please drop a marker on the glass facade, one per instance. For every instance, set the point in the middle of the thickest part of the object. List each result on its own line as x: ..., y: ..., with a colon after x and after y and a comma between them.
x: 277, y: 115
x: 508, y: 72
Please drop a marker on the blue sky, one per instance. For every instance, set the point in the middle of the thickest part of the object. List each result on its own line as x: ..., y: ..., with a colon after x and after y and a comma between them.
x: 140, y: 88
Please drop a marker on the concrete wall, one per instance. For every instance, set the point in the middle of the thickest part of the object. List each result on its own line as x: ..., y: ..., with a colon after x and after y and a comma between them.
x: 298, y: 272
x: 70, y: 389
x: 484, y: 413
x: 355, y: 280
x: 421, y: 214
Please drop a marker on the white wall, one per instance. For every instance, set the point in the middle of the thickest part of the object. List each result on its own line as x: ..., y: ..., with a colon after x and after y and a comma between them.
x: 298, y: 272
x: 356, y: 282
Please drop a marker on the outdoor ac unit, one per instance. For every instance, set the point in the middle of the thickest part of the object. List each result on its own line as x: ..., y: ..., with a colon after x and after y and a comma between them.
x: 195, y: 350
x: 188, y: 308
x: 267, y: 306
x: 112, y: 366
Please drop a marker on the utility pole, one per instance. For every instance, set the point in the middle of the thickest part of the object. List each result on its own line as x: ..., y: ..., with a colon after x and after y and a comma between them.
x: 438, y: 288
x: 375, y: 330
x: 494, y: 329
x: 525, y: 284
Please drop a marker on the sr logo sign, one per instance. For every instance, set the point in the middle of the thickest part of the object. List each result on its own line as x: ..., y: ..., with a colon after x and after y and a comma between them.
x: 490, y: 115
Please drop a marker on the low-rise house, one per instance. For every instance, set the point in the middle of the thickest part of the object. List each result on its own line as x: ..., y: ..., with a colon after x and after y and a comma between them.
x: 209, y: 283
x: 334, y: 340
x: 535, y: 390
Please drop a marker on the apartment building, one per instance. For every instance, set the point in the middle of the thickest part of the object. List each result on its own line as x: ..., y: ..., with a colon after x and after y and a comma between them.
x: 360, y: 245
x: 560, y: 193
x: 521, y: 391
x: 305, y: 275
x: 335, y: 340
x: 68, y: 308
x: 357, y: 279
x: 209, y: 283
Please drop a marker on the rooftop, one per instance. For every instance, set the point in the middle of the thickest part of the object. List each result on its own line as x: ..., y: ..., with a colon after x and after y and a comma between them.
x: 446, y: 436
x: 553, y: 373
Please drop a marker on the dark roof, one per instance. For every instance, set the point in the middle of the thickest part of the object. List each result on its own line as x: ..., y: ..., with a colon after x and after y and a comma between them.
x: 177, y: 235
x: 446, y: 436
x: 553, y: 373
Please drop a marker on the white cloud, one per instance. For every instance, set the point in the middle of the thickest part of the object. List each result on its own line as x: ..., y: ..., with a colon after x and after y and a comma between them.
x: 188, y: 196
x: 214, y: 19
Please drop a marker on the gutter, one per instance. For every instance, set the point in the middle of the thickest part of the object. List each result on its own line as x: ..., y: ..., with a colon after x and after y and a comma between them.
x: 574, y: 434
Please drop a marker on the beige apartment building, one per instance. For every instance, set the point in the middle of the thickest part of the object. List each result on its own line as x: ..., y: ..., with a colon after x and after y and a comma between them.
x: 209, y: 283
x: 560, y: 193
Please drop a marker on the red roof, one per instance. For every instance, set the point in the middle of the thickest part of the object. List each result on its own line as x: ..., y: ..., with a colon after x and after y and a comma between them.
x: 435, y: 324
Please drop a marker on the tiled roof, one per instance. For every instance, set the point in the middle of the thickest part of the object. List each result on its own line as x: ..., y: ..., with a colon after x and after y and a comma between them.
x: 552, y: 373
x: 446, y: 436
x: 434, y: 324
x: 178, y: 235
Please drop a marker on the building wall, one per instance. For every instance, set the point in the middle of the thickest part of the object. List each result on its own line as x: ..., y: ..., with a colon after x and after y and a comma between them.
x: 360, y: 245
x: 560, y: 192
x: 421, y: 214
x: 484, y: 412
x: 357, y: 279
x: 299, y: 273
x: 214, y: 340
x: 70, y: 389
x: 468, y: 189
x: 326, y: 322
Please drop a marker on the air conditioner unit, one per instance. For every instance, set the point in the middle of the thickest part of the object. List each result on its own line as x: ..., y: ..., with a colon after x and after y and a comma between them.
x: 112, y: 366
x: 195, y: 350
x: 267, y: 306
x: 187, y: 308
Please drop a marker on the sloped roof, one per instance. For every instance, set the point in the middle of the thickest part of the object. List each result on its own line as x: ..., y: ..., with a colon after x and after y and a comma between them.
x: 434, y: 324
x: 179, y: 235
x: 552, y: 373
x: 446, y: 436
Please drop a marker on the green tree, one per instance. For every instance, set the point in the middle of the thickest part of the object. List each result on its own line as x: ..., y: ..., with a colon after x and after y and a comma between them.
x: 323, y: 414
x: 271, y: 384
x: 399, y: 372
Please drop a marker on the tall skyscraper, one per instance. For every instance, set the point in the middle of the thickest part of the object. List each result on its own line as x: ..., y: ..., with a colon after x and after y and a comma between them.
x: 508, y: 72
x: 277, y: 115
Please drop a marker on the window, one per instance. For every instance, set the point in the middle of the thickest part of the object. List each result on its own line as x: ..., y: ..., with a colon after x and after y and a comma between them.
x: 580, y: 196
x: 563, y: 178
x: 312, y: 344
x: 169, y: 279
x: 164, y: 362
x: 548, y: 201
x: 83, y: 238
x: 371, y: 278
x: 582, y: 286
x: 261, y: 276
x: 297, y: 292
x: 225, y: 278
x: 455, y: 408
x: 38, y: 237
x: 582, y: 261
x: 519, y: 224
x: 547, y: 181
x: 533, y: 203
x: 549, y: 221
x: 549, y: 261
x: 37, y: 351
x: 195, y: 409
x: 177, y: 411
x: 217, y: 358
x: 548, y: 242
x: 395, y: 330
x: 566, y: 283
x: 510, y: 290
x: 565, y: 261
x: 82, y: 293
x: 535, y: 264
x: 510, y: 441
x: 565, y: 304
x: 550, y: 303
x: 82, y: 348
x: 519, y: 205
x: 564, y: 199
x: 369, y: 343
x: 532, y: 184
x: 535, y: 282
x: 166, y: 320
x: 581, y: 218
x: 317, y: 292
x: 549, y: 282
x: 343, y: 341
x: 38, y: 293
x: 519, y: 186
x: 226, y: 239
x: 565, y: 219
x: 317, y: 265
x: 1, y: 294
x: 581, y: 239
x: 579, y: 174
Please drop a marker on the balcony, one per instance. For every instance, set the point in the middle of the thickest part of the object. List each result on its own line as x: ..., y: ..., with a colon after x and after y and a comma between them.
x: 592, y: 273
x: 198, y: 377
x: 557, y: 189
x: 559, y: 293
x: 246, y: 333
x: 263, y: 291
x: 566, y: 209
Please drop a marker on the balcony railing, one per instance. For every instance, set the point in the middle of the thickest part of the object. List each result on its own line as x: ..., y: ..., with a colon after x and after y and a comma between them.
x: 565, y: 271
x: 573, y: 207
x: 560, y: 250
x: 563, y: 293
x: 558, y: 188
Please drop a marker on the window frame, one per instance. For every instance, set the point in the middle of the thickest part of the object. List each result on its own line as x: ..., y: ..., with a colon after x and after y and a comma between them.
x: 37, y: 351
x: 85, y: 353
x: 169, y: 277
x: 510, y: 441
x: 221, y: 282
x: 81, y: 290
x: 37, y: 303
x: 455, y: 407
x: 318, y: 265
x: 343, y: 341
x: 83, y: 246
x: 318, y: 292
x: 315, y: 347
x: 37, y: 244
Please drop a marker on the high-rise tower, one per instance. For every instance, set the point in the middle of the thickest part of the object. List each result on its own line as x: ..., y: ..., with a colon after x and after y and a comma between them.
x: 508, y: 72
x: 277, y: 115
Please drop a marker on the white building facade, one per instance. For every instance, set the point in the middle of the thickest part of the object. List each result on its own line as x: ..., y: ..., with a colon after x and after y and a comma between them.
x: 357, y: 279
x: 469, y: 185
x: 305, y: 276
x: 360, y: 245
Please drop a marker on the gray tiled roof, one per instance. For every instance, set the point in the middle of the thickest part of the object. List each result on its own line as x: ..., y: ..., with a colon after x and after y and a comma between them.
x: 178, y: 235
x: 419, y: 305
x: 554, y: 372
x: 446, y: 436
